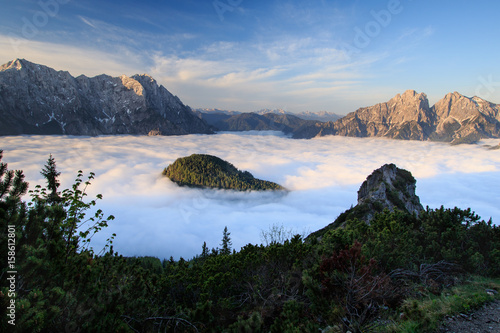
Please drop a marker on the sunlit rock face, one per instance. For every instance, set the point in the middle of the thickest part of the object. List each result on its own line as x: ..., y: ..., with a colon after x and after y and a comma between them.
x: 455, y: 118
x: 36, y: 99
x: 463, y: 119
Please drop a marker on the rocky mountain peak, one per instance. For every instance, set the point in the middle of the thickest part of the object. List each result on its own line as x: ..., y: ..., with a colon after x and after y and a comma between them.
x: 14, y: 64
x: 389, y: 187
x: 145, y: 79
x: 409, y: 94
x: 406, y: 116
x: 455, y: 119
x: 462, y: 119
x: 23, y: 65
x: 410, y: 99
x: 36, y: 99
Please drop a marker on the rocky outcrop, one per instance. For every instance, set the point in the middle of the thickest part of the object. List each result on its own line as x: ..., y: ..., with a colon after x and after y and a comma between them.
x: 36, y: 99
x: 388, y: 187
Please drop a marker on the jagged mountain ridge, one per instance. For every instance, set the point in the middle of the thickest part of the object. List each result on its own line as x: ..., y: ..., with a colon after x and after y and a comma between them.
x: 36, y: 99
x: 408, y: 116
x: 464, y: 119
x: 455, y: 118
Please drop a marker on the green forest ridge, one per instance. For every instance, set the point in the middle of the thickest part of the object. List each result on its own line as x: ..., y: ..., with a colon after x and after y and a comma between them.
x: 207, y: 171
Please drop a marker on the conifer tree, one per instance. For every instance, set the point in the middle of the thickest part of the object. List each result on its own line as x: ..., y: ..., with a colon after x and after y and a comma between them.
x: 50, y: 173
x: 204, y: 250
x: 12, y: 184
x: 226, y: 242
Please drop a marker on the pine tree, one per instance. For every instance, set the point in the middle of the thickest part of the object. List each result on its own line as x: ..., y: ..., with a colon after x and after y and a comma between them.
x: 226, y: 242
x: 50, y: 173
x: 204, y: 250
x: 12, y: 184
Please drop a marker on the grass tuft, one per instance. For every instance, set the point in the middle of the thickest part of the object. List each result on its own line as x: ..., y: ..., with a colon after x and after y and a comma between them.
x: 425, y: 314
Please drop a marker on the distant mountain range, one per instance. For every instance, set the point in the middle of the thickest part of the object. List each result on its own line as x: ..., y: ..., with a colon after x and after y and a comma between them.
x: 455, y: 118
x: 322, y: 116
x: 285, y: 123
x: 35, y: 99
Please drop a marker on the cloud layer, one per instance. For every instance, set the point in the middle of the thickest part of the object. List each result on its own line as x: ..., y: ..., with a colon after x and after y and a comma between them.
x: 156, y: 217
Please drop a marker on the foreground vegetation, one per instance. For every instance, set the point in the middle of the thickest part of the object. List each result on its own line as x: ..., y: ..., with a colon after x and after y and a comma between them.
x: 400, y: 273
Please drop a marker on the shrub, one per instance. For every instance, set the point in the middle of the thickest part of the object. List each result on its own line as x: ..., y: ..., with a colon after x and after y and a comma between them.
x: 350, y: 279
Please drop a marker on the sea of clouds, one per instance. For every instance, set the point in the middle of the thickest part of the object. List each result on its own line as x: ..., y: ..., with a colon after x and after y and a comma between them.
x: 156, y: 217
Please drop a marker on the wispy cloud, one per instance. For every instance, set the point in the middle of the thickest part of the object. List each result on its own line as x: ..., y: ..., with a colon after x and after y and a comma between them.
x: 74, y: 59
x: 87, y: 21
x: 416, y: 34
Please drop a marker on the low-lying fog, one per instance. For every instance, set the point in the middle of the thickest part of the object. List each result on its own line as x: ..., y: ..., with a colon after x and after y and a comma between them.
x: 156, y: 217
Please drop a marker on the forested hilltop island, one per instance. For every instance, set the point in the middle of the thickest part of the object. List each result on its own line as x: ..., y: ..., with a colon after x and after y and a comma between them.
x: 207, y: 171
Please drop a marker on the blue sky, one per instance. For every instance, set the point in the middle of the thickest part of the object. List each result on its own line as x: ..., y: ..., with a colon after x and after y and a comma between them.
x: 248, y: 55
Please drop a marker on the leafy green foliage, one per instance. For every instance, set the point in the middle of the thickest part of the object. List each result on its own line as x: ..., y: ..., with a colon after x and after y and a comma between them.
x: 209, y: 171
x: 348, y: 278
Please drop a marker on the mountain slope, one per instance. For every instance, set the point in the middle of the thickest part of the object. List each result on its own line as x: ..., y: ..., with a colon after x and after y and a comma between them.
x: 36, y: 99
